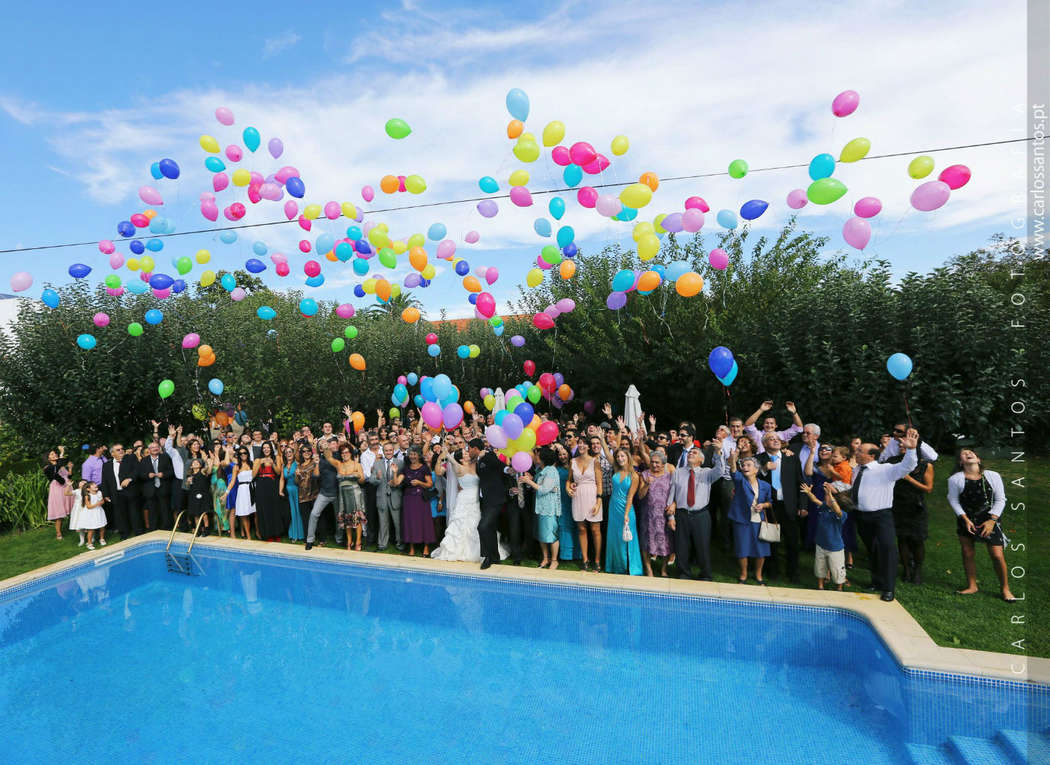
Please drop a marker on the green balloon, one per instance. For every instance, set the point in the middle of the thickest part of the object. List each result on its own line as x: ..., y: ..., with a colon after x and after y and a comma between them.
x: 737, y: 168
x: 166, y: 388
x: 397, y: 128
x: 496, y: 321
x: 825, y: 191
x: 551, y: 254
x: 394, y: 412
x: 534, y: 394
x: 184, y: 265
x: 338, y: 345
x: 350, y: 332
x: 388, y: 257
x: 113, y: 281
x: 134, y: 329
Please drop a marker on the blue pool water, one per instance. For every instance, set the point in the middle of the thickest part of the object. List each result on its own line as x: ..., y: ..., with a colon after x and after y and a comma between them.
x: 268, y: 659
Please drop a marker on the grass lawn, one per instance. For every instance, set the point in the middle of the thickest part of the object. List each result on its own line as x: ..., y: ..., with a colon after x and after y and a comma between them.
x: 981, y: 621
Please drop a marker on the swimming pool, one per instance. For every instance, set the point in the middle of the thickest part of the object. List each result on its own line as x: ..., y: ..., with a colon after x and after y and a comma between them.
x: 264, y: 658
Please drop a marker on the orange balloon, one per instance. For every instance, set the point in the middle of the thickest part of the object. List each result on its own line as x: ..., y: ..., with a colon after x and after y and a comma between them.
x: 205, y: 361
x: 410, y: 315
x: 417, y: 256
x: 357, y: 361
x: 564, y: 391
x: 650, y: 180
x: 331, y: 255
x: 536, y: 422
x: 205, y: 350
x: 567, y: 269
x: 689, y: 284
x: 471, y: 283
x: 468, y: 407
x: 151, y: 214
x: 389, y: 184
x: 648, y: 281
x: 357, y: 420
x: 383, y: 289
x: 222, y: 419
x: 514, y: 128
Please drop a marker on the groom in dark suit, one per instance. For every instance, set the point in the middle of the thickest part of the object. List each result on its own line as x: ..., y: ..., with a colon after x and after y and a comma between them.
x: 493, y: 489
x: 120, y: 492
x: 155, y: 473
x: 783, y: 471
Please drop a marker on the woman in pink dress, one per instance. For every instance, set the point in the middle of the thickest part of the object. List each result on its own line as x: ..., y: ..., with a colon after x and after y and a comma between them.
x: 653, y: 533
x: 58, y: 503
x: 585, y: 488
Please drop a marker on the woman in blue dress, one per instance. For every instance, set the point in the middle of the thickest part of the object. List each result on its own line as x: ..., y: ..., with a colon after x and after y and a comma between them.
x: 567, y: 548
x: 290, y: 489
x: 752, y: 500
x: 623, y: 556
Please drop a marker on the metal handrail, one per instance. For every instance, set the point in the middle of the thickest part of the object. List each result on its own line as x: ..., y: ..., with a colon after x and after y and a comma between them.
x: 174, y: 529
x: 195, y: 530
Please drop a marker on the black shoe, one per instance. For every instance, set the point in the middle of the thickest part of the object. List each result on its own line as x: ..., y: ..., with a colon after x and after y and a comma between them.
x: 916, y: 575
x: 517, y: 561
x: 485, y: 563
x: 887, y: 596
x: 401, y: 547
x: 309, y: 545
x: 381, y: 549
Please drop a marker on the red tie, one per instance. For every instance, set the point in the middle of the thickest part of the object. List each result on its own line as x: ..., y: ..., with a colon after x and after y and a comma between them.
x: 690, y: 496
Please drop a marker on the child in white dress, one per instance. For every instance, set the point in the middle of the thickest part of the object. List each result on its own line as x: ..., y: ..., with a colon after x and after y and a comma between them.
x: 74, y: 514
x: 92, y: 516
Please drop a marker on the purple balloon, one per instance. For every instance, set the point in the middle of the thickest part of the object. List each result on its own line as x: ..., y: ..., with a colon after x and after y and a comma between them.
x: 616, y: 301
x: 588, y: 406
x: 517, y: 341
x: 930, y: 195
x: 565, y: 305
x: 672, y: 223
x: 452, y: 415
x: 521, y: 461
x: 512, y: 426
x: 559, y: 379
x: 276, y: 147
x: 413, y: 280
x: 488, y: 208
x: 796, y: 199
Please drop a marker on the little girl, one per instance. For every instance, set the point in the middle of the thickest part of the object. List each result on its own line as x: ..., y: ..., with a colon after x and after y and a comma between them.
x: 198, y: 490
x: 92, y: 516
x: 73, y: 495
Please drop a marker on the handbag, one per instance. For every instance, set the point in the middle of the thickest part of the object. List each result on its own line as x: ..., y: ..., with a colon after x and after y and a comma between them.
x: 627, y: 535
x: 769, y: 532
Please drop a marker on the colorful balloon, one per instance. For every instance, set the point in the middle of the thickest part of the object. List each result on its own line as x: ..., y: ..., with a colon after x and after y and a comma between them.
x: 930, y: 195
x: 397, y: 128
x: 845, y: 103
x: 857, y: 233
x: 899, y: 365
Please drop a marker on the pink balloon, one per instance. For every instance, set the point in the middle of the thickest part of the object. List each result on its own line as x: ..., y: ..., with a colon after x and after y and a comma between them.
x: 282, y: 269
x: 144, y: 277
x: 431, y: 413
x: 857, y: 233
x: 697, y: 203
x: 304, y: 245
x: 207, y: 196
x: 210, y: 211
x: 956, y: 176
x: 106, y: 247
x: 608, y: 205
x: 254, y: 195
x: 431, y: 338
x: 845, y: 103
x: 368, y: 193
x: 565, y: 305
x: 560, y: 155
x: 446, y: 249
x: 114, y: 291
x: 271, y: 191
x: 220, y: 181
x: 692, y: 220
x: 521, y: 461
x: 116, y: 260
x: 542, y: 321
x: 344, y: 311
x: 237, y: 294
x: 312, y: 268
x: 305, y: 223
x: 868, y: 207
x: 520, y: 196
x: 587, y: 197
x: 224, y: 115
x: 797, y: 199
x: 332, y: 210
x: 543, y: 263
x: 486, y: 305
x: 472, y: 237
x: 139, y: 220
x: 236, y: 210
x: 291, y: 209
x: 598, y: 165
x: 276, y: 147
x: 256, y: 179
x: 278, y: 258
x: 491, y: 275
x: 234, y: 153
x: 552, y: 311
x: 286, y: 172
x: 401, y: 182
x: 546, y: 433
x: 162, y: 294
x: 192, y: 340
x: 582, y: 153
x: 718, y: 258
x: 930, y: 195
x: 150, y: 195
x: 101, y: 319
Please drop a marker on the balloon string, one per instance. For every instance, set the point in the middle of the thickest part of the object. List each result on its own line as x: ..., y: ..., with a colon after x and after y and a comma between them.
x: 907, y: 411
x: 727, y: 402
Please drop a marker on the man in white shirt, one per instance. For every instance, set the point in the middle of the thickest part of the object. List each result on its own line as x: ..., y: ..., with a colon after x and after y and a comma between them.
x: 368, y: 461
x: 386, y: 477
x: 872, y: 493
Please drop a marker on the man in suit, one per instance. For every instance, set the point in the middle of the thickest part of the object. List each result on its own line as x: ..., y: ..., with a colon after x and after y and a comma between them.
x: 493, y: 489
x: 689, y: 503
x: 155, y: 473
x: 386, y: 477
x: 783, y: 471
x: 120, y: 492
x: 369, y: 458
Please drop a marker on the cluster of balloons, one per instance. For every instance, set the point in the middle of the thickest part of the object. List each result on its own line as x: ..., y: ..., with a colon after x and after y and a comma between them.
x: 722, y: 364
x: 438, y: 400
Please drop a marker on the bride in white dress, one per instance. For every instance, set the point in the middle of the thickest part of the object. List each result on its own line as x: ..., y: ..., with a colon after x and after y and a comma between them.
x: 461, y: 540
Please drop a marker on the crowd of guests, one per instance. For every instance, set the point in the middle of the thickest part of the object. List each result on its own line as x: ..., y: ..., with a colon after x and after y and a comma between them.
x: 626, y: 498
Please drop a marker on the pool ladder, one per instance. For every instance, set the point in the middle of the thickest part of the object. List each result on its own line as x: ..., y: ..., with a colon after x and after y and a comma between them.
x: 182, y: 563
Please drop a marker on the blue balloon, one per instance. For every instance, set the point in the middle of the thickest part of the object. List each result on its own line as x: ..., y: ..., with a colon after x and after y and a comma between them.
x: 463, y: 352
x: 472, y: 298
x: 442, y: 386
x: 462, y: 268
x: 251, y: 138
x: 154, y: 170
x: 899, y: 366
x: 542, y: 226
x: 417, y: 399
x: 265, y: 313
x: 412, y: 378
x: 344, y: 251
x: 400, y: 393
x: 154, y: 316
x: 660, y: 269
x: 729, y: 378
x: 214, y: 164
x: 137, y: 246
x: 753, y: 209
x: 295, y: 187
x: 572, y: 175
x: 565, y: 236
x: 50, y: 298
x: 720, y: 361
x: 228, y: 237
x: 169, y: 168
x: 500, y: 416
x: 215, y: 386
x: 160, y: 281
x: 518, y: 104
x: 155, y: 245
x: 426, y: 386
x: 570, y: 250
x: 359, y: 291
x: 87, y: 342
x: 136, y: 286
x: 362, y: 247
x: 524, y: 411
x: 556, y: 207
x: 179, y: 285
x: 676, y: 269
x: 254, y: 266
x: 498, y: 330
x: 623, y: 280
x: 726, y: 219
x: 315, y: 281
x: 307, y: 306
x: 436, y: 232
x: 488, y: 184
x: 259, y: 248
x: 228, y: 282
x: 360, y: 266
x: 821, y: 166
x: 271, y: 333
x: 79, y: 270
x: 324, y: 243
x: 353, y: 232
x: 126, y: 228
x: 627, y: 213
x: 425, y: 282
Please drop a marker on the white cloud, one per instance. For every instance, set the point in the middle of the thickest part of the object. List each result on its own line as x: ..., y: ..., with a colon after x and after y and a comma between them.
x: 275, y: 45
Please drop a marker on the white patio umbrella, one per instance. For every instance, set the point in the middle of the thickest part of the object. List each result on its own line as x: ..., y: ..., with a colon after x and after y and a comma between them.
x: 632, y: 409
x: 501, y: 401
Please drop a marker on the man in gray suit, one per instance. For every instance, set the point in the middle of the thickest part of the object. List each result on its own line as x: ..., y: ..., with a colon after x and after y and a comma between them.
x: 387, y: 477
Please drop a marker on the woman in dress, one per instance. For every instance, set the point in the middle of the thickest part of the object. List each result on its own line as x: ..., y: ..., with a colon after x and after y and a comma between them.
x: 198, y: 494
x: 230, y: 496
x: 622, y: 553
x: 244, y: 504
x: 548, y: 506
x: 306, y: 480
x: 745, y: 445
x: 290, y: 489
x: 585, y: 488
x: 417, y: 524
x: 655, y: 539
x: 461, y: 540
x: 978, y: 498
x: 568, y: 547
x: 752, y: 499
x: 910, y: 518
x: 59, y: 504
x: 271, y: 512
x: 350, y: 500
x: 217, y: 468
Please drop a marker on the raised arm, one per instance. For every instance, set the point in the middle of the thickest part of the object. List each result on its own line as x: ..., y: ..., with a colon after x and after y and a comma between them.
x: 765, y: 407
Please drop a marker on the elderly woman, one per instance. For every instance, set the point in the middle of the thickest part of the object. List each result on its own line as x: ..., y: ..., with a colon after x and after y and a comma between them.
x: 654, y: 536
x: 548, y: 505
x: 752, y: 499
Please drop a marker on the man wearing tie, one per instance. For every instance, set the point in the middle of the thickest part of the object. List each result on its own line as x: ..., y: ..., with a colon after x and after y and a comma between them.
x: 155, y: 472
x: 386, y: 477
x: 872, y: 493
x: 119, y: 492
x: 783, y: 471
x: 688, y: 504
x: 369, y: 457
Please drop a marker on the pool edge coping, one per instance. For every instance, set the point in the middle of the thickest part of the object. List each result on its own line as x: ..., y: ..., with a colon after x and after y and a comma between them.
x: 910, y: 644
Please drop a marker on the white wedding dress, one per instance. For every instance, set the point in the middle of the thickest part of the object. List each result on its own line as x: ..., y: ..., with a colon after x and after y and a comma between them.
x: 461, y: 540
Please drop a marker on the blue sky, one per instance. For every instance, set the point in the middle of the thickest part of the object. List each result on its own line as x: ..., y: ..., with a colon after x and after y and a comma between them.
x: 106, y: 92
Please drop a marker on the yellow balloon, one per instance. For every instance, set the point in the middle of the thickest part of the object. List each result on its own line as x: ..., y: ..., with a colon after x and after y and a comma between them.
x: 399, y: 246
x: 519, y: 178
x: 527, y: 137
x: 203, y: 256
x: 378, y: 237
x: 553, y: 133
x: 429, y: 272
x: 641, y: 229
x: 383, y: 227
x: 648, y: 247
x: 620, y: 144
x: 415, y: 184
x: 369, y: 286
x: 489, y: 402
x: 241, y: 177
x: 527, y: 151
x: 133, y: 264
x: 147, y: 264
x: 349, y: 211
x: 920, y: 167
x: 658, y: 223
x: 637, y: 195
x: 475, y: 351
x: 207, y: 278
x: 395, y: 290
x: 534, y: 277
x: 311, y: 212
x: 856, y: 149
x: 209, y: 144
x: 416, y: 240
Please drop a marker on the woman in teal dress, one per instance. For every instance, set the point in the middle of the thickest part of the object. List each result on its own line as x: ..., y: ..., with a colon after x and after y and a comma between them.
x: 567, y: 548
x: 623, y: 557
x: 290, y: 489
x: 548, y: 506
